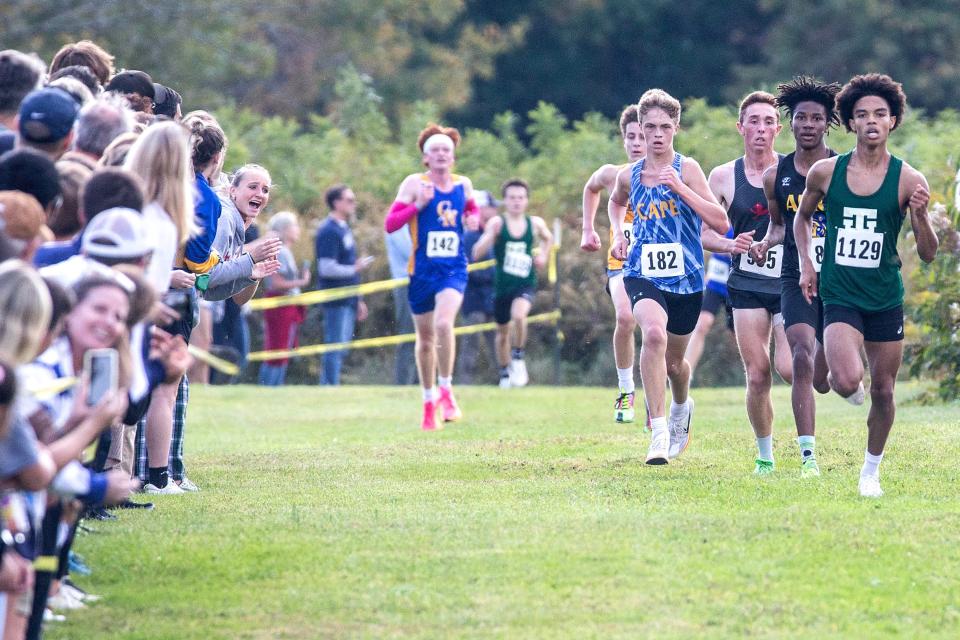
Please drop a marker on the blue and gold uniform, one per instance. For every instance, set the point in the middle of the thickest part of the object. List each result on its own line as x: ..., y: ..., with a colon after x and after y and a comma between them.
x: 665, y: 257
x: 438, y: 260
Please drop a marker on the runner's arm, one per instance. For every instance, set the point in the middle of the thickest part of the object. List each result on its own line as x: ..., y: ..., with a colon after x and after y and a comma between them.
x: 776, y: 229
x: 482, y: 246
x: 617, y: 211
x: 919, y: 190
x: 546, y: 239
x: 701, y: 199
x: 601, y: 179
x: 817, y: 181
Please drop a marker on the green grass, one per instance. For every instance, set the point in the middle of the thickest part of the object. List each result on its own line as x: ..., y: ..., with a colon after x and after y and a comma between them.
x: 326, y: 513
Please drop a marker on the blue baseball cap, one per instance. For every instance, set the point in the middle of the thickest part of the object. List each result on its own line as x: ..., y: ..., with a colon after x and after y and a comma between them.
x: 47, y: 115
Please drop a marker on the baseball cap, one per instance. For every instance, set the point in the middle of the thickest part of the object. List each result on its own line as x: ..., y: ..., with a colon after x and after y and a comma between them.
x: 23, y: 217
x: 116, y: 233
x: 485, y: 199
x: 47, y: 115
x: 165, y: 100
x: 132, y: 81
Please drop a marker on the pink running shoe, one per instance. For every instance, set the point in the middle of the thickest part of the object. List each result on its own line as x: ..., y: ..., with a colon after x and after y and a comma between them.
x: 451, y: 412
x: 430, y: 417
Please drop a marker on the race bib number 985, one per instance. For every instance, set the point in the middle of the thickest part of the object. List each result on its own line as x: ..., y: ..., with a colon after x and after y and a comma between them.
x: 661, y: 260
x: 859, y: 248
x: 770, y: 268
x: 443, y: 244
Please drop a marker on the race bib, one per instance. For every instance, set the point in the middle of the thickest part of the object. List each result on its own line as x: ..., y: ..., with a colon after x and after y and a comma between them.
x: 661, y: 260
x: 516, y: 261
x: 443, y: 244
x: 769, y: 268
x: 718, y: 271
x: 860, y: 248
x: 817, y: 246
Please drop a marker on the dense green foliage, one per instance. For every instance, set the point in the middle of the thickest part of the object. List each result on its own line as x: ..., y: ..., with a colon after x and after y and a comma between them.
x: 476, y: 58
x: 332, y: 516
x: 556, y: 157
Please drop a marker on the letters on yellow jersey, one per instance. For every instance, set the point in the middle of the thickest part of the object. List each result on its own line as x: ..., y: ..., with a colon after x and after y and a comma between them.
x: 446, y: 214
x: 818, y: 227
x: 665, y: 209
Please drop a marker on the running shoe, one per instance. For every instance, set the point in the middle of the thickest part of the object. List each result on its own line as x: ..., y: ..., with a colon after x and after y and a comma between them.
x: 430, y: 417
x: 623, y: 407
x: 809, y: 468
x: 448, y: 404
x: 659, y: 452
x: 187, y: 485
x: 856, y: 398
x: 518, y: 373
x: 172, y: 489
x: 763, y: 468
x: 870, y: 487
x: 680, y: 429
x: 505, y: 382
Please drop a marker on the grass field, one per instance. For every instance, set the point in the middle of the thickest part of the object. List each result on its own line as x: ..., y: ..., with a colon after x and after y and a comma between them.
x: 326, y: 513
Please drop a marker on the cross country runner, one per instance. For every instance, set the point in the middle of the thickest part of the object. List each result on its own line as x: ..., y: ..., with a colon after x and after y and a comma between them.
x: 437, y: 205
x: 866, y: 194
x: 755, y: 288
x: 663, y: 269
x: 605, y: 178
x: 515, y: 279
x: 810, y: 107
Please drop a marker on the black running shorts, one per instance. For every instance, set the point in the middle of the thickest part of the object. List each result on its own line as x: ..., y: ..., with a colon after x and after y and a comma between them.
x: 796, y: 310
x: 876, y: 326
x: 741, y: 299
x: 683, y: 309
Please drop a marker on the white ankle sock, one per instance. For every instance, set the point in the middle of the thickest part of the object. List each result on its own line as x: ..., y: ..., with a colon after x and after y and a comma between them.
x: 429, y: 395
x: 676, y: 409
x: 625, y: 380
x: 658, y: 426
x: 445, y: 383
x: 871, y: 464
x: 765, y: 447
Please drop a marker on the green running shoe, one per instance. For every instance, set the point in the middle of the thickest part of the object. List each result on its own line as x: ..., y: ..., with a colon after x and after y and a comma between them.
x: 763, y: 468
x: 623, y: 409
x: 809, y: 468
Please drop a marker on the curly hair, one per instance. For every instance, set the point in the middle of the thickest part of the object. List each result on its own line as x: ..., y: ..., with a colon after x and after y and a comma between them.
x: 433, y: 129
x: 808, y: 89
x: 207, y: 139
x: 871, y: 84
x: 630, y: 114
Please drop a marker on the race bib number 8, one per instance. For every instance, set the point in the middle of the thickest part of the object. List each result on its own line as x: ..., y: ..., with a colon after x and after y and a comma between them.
x: 516, y: 261
x: 661, y: 260
x: 817, y: 247
x: 859, y: 248
x: 443, y: 244
x: 770, y: 268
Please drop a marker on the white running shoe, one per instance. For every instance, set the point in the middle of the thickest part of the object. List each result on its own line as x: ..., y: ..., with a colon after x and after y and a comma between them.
x: 870, y: 487
x: 679, y: 428
x: 187, y: 485
x: 505, y: 382
x: 63, y: 601
x: 170, y: 490
x: 858, y: 396
x: 659, y: 452
x: 518, y: 373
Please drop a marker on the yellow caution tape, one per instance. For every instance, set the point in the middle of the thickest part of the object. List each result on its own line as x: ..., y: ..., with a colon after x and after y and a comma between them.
x: 552, y: 266
x: 329, y: 295
x: 46, y: 564
x: 385, y: 341
x: 221, y: 365
x: 51, y: 389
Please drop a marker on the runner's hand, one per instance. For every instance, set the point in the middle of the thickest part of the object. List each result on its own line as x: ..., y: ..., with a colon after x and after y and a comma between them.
x: 471, y: 222
x: 758, y: 251
x: 619, y: 248
x: 590, y: 240
x: 540, y: 260
x: 919, y: 200
x: 424, y: 195
x: 808, y: 281
x: 670, y: 178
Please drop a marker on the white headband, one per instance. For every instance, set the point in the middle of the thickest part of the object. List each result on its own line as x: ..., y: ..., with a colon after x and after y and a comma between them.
x: 435, y: 138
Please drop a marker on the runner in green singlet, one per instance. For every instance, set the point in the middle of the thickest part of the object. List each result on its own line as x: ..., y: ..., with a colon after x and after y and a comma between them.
x: 515, y: 281
x: 866, y: 194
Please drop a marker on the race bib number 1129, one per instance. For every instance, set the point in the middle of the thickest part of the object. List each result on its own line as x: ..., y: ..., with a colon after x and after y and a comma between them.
x: 859, y: 248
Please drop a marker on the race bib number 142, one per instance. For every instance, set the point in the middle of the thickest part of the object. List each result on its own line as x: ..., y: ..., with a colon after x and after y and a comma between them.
x: 443, y: 244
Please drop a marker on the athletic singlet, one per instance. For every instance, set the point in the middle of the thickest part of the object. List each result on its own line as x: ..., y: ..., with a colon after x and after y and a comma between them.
x: 514, y: 259
x: 861, y: 266
x: 612, y: 263
x: 666, y: 247
x: 437, y: 232
x: 748, y: 212
x: 788, y: 188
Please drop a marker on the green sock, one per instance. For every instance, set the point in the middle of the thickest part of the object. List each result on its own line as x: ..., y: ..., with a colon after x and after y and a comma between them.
x: 807, y: 444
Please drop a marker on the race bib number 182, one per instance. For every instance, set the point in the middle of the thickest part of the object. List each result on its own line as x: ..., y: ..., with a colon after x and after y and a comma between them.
x: 443, y: 244
x: 661, y: 260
